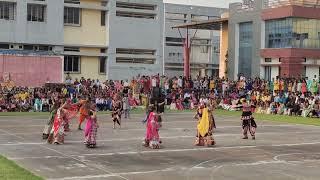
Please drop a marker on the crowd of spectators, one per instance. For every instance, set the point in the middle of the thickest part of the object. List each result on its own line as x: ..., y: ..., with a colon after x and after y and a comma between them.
x: 299, y: 97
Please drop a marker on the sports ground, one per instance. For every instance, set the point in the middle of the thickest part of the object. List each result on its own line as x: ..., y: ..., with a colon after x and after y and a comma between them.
x: 281, y: 151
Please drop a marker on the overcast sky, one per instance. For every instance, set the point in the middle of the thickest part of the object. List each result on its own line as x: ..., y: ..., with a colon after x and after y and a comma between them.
x: 214, y: 3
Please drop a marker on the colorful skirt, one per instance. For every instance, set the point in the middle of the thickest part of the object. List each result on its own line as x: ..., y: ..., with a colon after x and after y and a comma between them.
x: 91, y: 137
x: 248, y: 120
x: 58, y: 136
x: 207, y: 140
x: 153, y: 144
x: 48, y: 127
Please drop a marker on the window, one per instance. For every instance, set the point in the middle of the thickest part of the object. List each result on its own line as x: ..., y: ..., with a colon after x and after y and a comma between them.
x: 246, y: 46
x: 103, y: 18
x: 173, y: 41
x: 72, y: 16
x: 292, y: 32
x: 102, y: 65
x: 135, y: 6
x: 43, y: 48
x: 135, y: 60
x: 72, y: 64
x: 103, y: 50
x: 135, y: 15
x: 176, y: 17
x: 304, y: 71
x: 7, y: 10
x: 72, y: 1
x: 4, y: 46
x: 135, y: 51
x: 28, y: 47
x: 73, y: 49
x: 198, y: 18
x: 36, y: 12
x: 104, y: 3
x: 267, y: 60
x: 267, y: 73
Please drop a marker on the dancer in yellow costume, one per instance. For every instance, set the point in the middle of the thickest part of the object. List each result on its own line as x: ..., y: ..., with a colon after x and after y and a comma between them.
x: 204, y: 127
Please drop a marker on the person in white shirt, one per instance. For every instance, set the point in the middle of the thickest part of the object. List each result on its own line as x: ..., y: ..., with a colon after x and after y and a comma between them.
x: 97, y: 82
x: 154, y: 82
x: 203, y: 100
x: 126, y: 84
x: 126, y: 106
x: 180, y: 82
x: 186, y: 100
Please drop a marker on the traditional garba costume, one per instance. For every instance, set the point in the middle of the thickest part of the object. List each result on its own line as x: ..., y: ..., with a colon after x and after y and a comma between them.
x: 116, y: 112
x: 84, y: 112
x: 204, y: 128
x: 152, y: 138
x: 248, y: 123
x: 48, y: 126
x: 62, y: 118
x: 90, y: 132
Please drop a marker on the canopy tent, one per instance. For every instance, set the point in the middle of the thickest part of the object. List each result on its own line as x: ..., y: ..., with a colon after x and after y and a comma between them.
x: 214, y: 25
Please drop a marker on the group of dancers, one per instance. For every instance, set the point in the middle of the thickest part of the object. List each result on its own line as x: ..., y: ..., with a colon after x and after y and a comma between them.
x: 63, y: 111
x: 60, y: 115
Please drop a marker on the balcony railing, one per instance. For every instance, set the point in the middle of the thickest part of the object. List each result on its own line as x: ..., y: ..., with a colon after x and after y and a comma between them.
x: 279, y: 3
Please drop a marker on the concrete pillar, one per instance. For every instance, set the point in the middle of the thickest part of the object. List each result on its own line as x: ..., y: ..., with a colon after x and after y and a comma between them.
x: 224, y: 35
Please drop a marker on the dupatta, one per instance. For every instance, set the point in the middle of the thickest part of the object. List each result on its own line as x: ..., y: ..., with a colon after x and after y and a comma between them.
x: 204, y: 124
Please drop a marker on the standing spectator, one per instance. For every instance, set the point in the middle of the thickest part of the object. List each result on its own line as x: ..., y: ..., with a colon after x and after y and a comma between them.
x: 126, y: 106
x: 38, y: 105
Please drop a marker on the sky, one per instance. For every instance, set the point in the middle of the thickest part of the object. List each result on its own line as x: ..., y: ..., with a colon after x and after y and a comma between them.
x: 213, y: 3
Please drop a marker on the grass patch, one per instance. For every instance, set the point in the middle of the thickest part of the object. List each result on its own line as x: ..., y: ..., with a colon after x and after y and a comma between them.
x: 275, y: 118
x: 11, y: 171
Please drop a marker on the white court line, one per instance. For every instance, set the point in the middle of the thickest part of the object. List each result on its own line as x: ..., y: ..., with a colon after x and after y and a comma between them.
x: 65, y: 155
x: 201, y: 149
x: 143, y: 129
x: 257, y: 163
x: 174, y: 150
x: 164, y: 137
x: 113, y: 175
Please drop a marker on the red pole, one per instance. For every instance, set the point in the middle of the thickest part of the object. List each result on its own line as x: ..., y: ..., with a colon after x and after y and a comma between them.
x: 186, y: 47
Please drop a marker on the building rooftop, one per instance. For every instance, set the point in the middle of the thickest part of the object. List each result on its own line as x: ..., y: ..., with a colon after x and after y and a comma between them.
x: 280, y: 3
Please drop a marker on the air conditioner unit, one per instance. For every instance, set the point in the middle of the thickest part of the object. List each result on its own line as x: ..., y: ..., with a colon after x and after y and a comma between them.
x: 11, y: 46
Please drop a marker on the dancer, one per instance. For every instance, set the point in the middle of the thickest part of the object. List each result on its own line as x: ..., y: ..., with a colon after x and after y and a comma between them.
x: 64, y: 114
x: 48, y: 126
x: 91, y: 129
x: 152, y: 138
x: 212, y: 106
x: 248, y: 123
x: 84, y: 111
x: 116, y: 110
x: 204, y: 126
